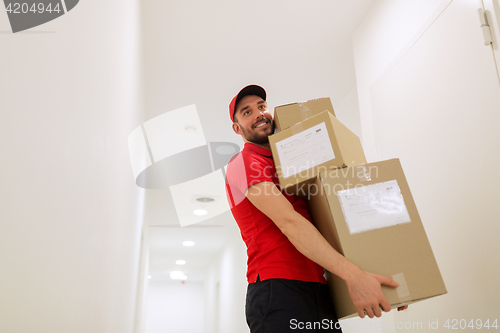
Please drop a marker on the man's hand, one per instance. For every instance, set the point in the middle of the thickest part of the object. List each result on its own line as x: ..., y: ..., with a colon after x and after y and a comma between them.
x: 366, y: 292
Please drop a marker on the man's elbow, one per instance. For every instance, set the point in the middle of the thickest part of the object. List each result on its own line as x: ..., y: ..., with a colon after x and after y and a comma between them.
x: 287, y: 223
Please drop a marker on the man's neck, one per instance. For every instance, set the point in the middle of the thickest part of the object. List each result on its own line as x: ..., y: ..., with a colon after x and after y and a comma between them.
x: 263, y: 145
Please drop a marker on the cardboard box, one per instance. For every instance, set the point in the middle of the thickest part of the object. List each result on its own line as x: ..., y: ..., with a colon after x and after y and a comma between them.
x: 367, y: 214
x: 316, y: 144
x: 288, y: 115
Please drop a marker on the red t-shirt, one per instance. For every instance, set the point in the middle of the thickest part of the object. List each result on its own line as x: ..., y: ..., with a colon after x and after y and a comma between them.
x: 270, y: 253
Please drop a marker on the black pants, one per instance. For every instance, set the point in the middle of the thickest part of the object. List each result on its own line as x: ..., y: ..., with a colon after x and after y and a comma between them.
x: 279, y: 305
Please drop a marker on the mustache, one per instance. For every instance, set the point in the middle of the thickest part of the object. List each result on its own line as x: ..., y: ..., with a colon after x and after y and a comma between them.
x: 258, y: 122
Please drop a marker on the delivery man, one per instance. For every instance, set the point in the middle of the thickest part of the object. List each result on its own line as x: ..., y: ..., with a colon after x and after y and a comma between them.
x: 286, y: 253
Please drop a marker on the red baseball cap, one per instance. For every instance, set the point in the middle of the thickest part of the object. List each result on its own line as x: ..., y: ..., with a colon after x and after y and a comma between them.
x: 248, y: 90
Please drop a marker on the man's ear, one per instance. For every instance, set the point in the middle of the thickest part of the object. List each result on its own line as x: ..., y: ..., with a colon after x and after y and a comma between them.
x: 236, y: 128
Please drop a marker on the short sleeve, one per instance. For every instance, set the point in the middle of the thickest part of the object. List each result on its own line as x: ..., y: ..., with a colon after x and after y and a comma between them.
x: 244, y: 171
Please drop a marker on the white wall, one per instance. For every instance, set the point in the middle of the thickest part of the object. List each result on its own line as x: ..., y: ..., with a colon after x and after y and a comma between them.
x: 429, y: 94
x: 142, y: 282
x: 174, y: 307
x: 387, y: 30
x: 70, y: 212
x: 345, y: 95
x: 225, y: 289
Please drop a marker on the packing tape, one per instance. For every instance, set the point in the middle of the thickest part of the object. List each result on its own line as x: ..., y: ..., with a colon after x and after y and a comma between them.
x: 363, y: 173
x: 402, y: 289
x: 305, y: 111
x: 297, y: 128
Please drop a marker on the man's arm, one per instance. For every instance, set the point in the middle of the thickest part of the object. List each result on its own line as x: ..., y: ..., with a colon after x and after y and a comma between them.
x: 364, y: 288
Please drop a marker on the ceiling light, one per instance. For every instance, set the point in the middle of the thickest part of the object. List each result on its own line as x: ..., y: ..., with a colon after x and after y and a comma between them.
x: 188, y: 243
x: 190, y: 129
x: 177, y: 275
x: 180, y: 262
x: 200, y: 212
x: 149, y: 277
x: 205, y: 199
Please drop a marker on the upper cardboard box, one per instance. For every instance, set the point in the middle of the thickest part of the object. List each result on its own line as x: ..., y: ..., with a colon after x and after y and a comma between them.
x: 318, y: 143
x: 288, y: 115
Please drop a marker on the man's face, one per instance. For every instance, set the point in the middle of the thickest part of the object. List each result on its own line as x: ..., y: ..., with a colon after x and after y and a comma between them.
x: 253, y: 120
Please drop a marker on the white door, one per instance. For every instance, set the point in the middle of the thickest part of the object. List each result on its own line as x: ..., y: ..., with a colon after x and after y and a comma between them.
x: 438, y: 110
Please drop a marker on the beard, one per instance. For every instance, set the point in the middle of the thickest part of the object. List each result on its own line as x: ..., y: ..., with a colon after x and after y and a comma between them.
x: 258, y: 138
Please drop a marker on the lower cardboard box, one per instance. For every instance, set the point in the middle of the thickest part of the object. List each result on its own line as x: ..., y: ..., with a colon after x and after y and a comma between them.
x: 367, y: 214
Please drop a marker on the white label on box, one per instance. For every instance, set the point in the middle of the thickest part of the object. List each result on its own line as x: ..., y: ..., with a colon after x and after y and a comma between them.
x: 373, y: 206
x: 305, y: 150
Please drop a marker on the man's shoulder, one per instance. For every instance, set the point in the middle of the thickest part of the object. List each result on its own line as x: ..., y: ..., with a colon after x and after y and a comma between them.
x: 250, y: 165
x: 246, y: 158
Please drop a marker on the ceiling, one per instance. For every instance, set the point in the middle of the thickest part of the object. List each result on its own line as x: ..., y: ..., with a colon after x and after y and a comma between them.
x: 202, y: 52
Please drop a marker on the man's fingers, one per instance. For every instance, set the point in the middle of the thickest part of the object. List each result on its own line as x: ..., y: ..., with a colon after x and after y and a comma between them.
x: 367, y: 295
x: 385, y: 305
x: 368, y: 311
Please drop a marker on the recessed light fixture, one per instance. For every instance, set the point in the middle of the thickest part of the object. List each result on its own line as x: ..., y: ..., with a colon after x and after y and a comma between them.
x: 188, y: 243
x: 190, y: 129
x: 177, y: 275
x: 180, y: 262
x: 205, y: 199
x: 149, y: 277
x: 200, y: 212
